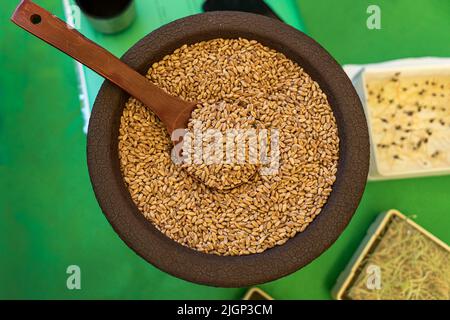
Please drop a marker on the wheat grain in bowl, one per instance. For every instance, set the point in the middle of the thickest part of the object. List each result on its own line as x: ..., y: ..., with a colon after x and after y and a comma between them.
x: 262, y: 89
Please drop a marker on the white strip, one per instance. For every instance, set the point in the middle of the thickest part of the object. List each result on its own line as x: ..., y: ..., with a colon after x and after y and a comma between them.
x: 82, y: 86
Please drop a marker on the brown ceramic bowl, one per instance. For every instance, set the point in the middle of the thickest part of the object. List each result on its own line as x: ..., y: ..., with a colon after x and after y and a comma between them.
x: 230, y: 271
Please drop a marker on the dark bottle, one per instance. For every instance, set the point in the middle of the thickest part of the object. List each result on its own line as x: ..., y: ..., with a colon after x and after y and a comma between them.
x: 108, y: 16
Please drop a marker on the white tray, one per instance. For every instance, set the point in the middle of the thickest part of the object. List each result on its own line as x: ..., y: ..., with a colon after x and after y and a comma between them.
x: 420, y: 66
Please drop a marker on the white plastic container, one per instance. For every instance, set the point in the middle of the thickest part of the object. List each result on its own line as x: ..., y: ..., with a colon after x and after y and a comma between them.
x: 361, y: 75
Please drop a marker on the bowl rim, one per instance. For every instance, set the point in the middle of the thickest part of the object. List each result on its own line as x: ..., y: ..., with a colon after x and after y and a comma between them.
x: 230, y: 271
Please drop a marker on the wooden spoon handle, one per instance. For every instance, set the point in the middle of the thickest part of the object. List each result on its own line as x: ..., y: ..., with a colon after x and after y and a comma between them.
x: 56, y: 32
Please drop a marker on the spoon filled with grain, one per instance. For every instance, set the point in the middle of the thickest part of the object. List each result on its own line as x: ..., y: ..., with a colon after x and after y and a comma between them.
x: 173, y: 112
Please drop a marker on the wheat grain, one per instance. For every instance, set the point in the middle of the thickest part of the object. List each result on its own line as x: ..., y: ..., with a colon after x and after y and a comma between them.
x: 260, y: 88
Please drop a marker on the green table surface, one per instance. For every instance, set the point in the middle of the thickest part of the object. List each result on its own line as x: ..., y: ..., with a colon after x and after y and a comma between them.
x: 50, y: 218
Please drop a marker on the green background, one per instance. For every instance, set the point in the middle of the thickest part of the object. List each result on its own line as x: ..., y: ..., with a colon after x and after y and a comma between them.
x: 50, y: 218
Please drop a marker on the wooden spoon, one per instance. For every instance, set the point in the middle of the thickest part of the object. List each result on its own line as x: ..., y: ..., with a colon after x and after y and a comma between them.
x: 172, y: 111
